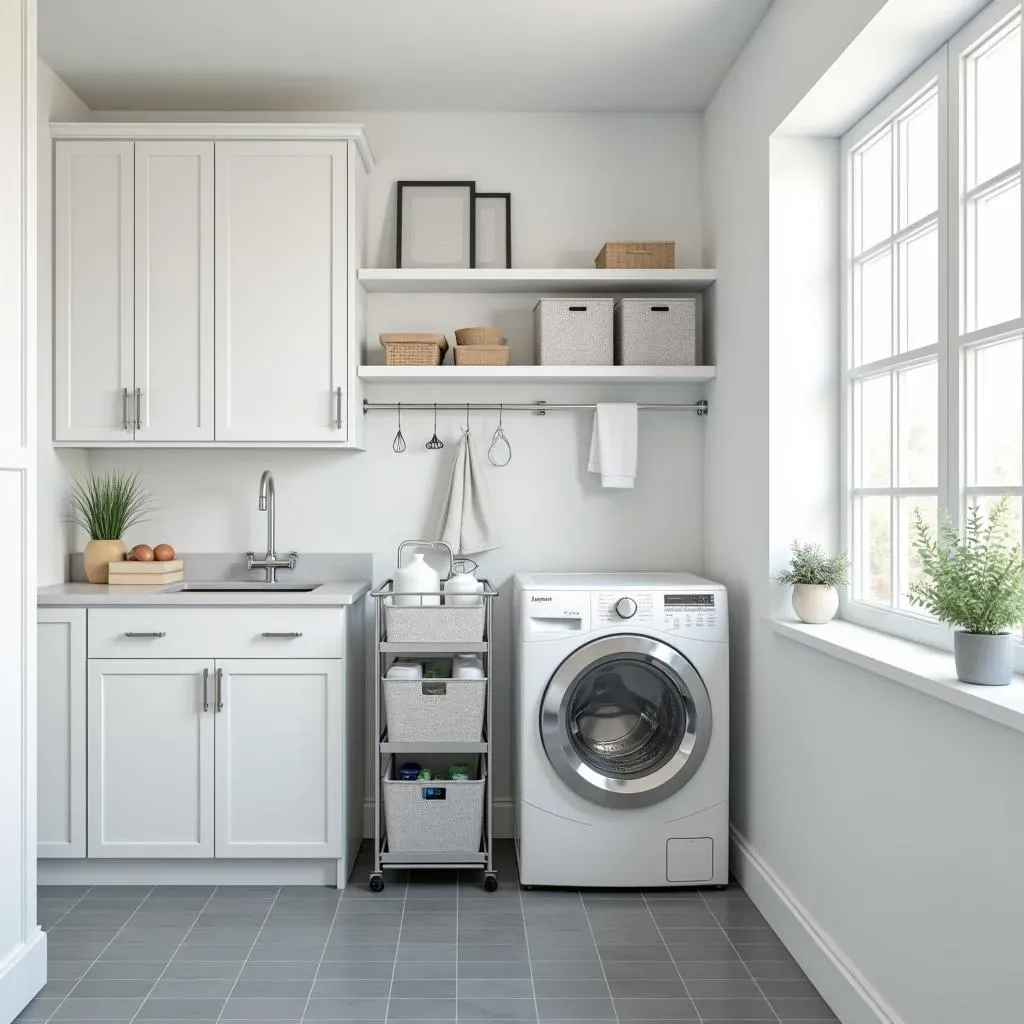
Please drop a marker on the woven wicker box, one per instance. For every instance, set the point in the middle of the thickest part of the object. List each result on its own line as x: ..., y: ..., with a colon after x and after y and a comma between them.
x: 574, y: 332
x: 658, y: 332
x: 433, y: 817
x: 434, y: 709
x: 482, y: 355
x: 413, y: 349
x: 636, y: 256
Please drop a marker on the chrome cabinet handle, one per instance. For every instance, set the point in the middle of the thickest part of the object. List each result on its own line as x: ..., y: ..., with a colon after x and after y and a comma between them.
x: 206, y: 689
x: 337, y: 408
x: 138, y: 408
x: 220, y: 696
x: 124, y: 409
x: 145, y: 636
x: 281, y: 636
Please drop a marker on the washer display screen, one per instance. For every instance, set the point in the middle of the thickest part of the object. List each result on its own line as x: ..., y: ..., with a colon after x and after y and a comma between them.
x: 689, y: 600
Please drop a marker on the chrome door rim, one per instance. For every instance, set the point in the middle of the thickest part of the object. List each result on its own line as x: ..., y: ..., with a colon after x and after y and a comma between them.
x: 650, y: 788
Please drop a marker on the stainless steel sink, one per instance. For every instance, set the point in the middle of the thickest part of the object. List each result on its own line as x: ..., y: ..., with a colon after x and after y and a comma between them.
x: 244, y: 586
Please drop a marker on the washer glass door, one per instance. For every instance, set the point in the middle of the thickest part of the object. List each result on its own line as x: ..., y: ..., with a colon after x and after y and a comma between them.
x: 626, y: 721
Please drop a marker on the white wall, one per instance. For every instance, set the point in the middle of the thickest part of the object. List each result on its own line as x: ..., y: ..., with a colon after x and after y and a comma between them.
x: 575, y: 181
x: 886, y: 816
x: 56, y: 466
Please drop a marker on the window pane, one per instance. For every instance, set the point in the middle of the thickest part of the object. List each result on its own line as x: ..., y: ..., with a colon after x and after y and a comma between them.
x: 874, y: 192
x: 994, y: 105
x: 993, y: 254
x: 873, y: 309
x: 918, y: 452
x: 909, y: 560
x: 995, y: 383
x: 874, y: 551
x: 873, y: 425
x: 1013, y: 518
x: 919, y: 291
x: 919, y: 136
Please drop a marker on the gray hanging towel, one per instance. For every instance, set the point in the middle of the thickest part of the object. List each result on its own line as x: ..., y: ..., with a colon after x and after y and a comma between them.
x: 466, y: 522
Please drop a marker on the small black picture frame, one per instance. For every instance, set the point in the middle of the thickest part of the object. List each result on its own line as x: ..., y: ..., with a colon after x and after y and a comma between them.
x: 454, y: 244
x: 483, y: 245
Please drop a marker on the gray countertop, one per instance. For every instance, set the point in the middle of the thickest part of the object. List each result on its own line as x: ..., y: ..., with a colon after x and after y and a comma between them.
x: 330, y: 595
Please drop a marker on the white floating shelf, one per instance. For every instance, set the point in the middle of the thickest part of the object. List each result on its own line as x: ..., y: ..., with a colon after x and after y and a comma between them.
x: 538, y: 281
x: 532, y: 374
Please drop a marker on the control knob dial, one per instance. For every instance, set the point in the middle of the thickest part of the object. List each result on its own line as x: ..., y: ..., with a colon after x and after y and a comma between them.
x: 625, y: 607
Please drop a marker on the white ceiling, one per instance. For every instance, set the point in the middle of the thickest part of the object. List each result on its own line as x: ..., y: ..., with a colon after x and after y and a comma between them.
x: 578, y: 55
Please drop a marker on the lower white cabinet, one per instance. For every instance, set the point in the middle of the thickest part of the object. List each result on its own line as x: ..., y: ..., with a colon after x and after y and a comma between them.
x: 151, y: 758
x: 61, y: 730
x: 278, y: 760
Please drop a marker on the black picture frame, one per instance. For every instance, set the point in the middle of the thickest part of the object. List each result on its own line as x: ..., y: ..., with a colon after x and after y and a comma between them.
x: 507, y: 196
x: 469, y: 186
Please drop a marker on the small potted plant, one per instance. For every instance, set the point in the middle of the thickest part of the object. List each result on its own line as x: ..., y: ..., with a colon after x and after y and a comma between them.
x: 106, y: 506
x: 816, y: 579
x: 976, y: 584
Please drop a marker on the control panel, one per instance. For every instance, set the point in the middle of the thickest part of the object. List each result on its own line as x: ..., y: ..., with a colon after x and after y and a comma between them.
x: 693, y: 613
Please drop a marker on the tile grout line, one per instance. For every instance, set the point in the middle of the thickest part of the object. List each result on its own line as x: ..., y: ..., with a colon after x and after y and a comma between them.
x: 241, y: 970
x: 323, y: 953
x: 672, y: 960
x: 746, y: 966
x: 188, y: 932
x: 88, y: 889
x: 398, y: 946
x: 56, y: 1009
x: 597, y: 949
x: 529, y: 955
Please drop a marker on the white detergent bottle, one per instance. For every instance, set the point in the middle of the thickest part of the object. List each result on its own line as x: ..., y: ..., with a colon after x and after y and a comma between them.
x: 415, y: 577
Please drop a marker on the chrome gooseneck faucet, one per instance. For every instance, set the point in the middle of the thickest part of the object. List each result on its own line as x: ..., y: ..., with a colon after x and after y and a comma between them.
x: 270, y: 562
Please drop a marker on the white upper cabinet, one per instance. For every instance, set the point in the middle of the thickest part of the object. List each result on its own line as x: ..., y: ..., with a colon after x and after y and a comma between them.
x: 93, y: 291
x: 282, y: 274
x: 173, y: 396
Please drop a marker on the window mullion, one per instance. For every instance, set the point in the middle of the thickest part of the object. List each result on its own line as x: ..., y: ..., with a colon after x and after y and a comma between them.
x: 951, y: 167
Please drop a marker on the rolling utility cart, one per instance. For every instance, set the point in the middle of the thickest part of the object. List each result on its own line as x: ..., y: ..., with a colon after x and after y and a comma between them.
x: 440, y: 721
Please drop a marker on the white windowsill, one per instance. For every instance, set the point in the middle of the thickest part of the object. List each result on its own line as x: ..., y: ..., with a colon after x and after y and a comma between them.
x: 925, y: 669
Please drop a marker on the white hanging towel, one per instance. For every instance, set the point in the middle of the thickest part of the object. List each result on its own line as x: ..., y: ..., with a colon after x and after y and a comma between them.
x: 466, y: 521
x: 613, y: 444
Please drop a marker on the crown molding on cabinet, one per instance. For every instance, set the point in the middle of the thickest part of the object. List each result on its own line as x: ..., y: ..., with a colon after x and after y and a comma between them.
x: 221, y: 130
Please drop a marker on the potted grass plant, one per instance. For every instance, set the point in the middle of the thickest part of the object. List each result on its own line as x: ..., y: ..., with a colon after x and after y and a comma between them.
x: 976, y: 584
x: 816, y: 579
x: 106, y: 506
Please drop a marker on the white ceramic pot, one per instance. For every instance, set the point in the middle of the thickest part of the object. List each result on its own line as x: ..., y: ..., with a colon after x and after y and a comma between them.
x: 416, y: 577
x: 983, y: 658
x: 815, y: 603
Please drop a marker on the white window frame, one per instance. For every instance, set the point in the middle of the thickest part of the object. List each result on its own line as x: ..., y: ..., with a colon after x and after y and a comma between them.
x: 944, y: 69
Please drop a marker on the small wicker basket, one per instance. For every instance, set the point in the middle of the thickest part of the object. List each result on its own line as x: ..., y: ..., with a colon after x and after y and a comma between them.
x: 636, y: 256
x: 478, y: 336
x: 412, y: 349
x: 482, y: 355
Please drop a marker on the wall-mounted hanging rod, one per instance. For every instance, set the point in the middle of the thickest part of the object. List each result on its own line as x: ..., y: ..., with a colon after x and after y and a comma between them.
x: 700, y: 408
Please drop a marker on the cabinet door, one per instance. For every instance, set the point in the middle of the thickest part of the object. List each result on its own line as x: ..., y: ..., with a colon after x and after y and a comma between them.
x: 93, y: 291
x: 281, y: 273
x: 279, y: 759
x: 174, y: 291
x: 150, y: 759
x: 61, y: 729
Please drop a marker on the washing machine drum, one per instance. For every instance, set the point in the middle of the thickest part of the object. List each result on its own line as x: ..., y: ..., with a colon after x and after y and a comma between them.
x: 626, y: 721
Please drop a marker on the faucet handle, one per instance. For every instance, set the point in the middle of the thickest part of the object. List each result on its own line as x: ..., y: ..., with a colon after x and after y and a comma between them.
x: 250, y: 557
x: 293, y: 557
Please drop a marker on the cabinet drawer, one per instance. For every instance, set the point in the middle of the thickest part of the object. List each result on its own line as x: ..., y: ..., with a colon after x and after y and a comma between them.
x: 215, y: 632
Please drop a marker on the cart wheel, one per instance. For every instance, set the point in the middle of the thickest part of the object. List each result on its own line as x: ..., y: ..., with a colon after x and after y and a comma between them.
x: 376, y: 883
x: 491, y: 882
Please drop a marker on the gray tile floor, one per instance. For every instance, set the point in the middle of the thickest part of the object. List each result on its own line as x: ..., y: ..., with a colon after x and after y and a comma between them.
x: 435, y: 948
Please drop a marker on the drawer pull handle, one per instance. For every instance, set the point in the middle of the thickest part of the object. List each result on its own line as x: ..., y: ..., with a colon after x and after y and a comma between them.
x: 337, y: 408
x: 145, y: 636
x: 124, y: 409
x: 220, y: 695
x: 281, y: 636
x: 206, y: 689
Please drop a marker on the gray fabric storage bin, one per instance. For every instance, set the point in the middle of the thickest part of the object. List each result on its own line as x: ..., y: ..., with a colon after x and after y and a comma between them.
x: 658, y: 332
x: 419, y: 819
x: 434, y: 624
x: 434, y: 709
x: 574, y: 332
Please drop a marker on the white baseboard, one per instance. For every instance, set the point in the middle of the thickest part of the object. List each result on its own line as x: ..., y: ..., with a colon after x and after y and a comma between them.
x: 503, y: 811
x: 116, y: 871
x: 847, y: 991
x: 22, y: 975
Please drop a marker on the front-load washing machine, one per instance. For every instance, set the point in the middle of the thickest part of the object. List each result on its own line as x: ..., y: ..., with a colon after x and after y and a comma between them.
x: 621, y: 718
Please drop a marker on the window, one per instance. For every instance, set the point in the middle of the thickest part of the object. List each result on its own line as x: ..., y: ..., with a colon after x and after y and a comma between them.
x: 933, y: 382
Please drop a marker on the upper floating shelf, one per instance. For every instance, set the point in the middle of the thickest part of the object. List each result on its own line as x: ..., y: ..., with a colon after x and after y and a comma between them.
x: 534, y: 374
x: 538, y: 281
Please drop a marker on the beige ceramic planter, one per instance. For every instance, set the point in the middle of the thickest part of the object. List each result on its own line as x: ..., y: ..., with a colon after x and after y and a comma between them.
x: 98, y: 555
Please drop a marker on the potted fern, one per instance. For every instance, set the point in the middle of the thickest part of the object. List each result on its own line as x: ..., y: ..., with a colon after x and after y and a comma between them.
x: 106, y: 506
x: 816, y: 579
x: 976, y: 584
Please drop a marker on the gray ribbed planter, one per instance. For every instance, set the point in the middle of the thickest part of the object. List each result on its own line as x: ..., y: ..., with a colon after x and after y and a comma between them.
x: 985, y: 659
